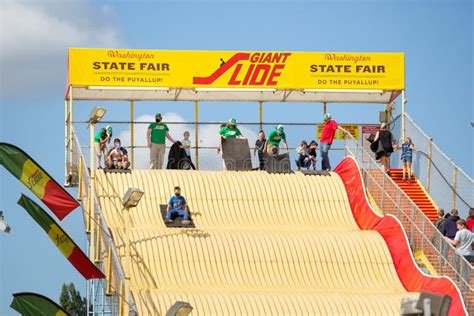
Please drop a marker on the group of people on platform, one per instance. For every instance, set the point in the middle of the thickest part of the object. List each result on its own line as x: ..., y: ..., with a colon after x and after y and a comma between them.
x: 383, y: 145
x: 458, y: 232
x: 114, y: 158
x: 306, y: 154
x: 158, y: 132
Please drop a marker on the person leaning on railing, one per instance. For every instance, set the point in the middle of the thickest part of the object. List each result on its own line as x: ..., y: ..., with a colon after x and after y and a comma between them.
x: 463, y: 241
x: 440, y: 221
x: 449, y: 227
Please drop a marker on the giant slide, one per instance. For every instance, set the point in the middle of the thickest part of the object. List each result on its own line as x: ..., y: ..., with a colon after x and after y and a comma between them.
x: 265, y: 244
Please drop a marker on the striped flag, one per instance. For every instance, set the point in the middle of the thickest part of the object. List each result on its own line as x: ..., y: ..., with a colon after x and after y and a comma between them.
x: 32, y: 304
x: 37, y: 180
x: 59, y: 237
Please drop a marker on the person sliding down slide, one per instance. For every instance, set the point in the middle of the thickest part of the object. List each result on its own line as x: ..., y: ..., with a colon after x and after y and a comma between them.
x: 177, y: 206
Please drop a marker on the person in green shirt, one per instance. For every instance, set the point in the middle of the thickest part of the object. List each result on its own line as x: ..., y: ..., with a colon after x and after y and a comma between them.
x: 101, y: 139
x: 229, y: 130
x: 272, y: 145
x: 156, y: 136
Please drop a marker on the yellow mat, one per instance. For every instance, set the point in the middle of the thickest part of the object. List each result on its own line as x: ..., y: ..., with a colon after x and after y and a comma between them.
x: 263, y: 245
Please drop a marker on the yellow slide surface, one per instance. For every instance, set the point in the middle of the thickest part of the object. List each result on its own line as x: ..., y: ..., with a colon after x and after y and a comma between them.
x: 264, y: 244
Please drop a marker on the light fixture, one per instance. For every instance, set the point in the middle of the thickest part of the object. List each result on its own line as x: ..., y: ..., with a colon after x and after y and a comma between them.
x: 179, y: 309
x: 132, y: 197
x: 128, y: 88
x: 97, y: 114
x: 4, y: 226
x: 344, y: 91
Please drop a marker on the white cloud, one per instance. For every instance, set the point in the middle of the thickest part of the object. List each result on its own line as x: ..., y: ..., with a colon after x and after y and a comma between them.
x: 35, y: 36
x: 208, y: 137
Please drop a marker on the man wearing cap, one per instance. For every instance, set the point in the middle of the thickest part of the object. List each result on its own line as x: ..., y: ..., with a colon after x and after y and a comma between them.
x: 101, y: 139
x: 230, y: 130
x: 272, y: 145
x: 329, y: 131
x: 156, y: 137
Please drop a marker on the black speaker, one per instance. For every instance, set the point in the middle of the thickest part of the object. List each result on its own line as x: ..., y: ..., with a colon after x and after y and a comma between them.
x: 439, y: 303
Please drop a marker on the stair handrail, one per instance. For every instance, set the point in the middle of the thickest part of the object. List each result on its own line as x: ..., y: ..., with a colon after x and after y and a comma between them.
x: 444, y: 178
x: 412, y: 121
x: 349, y: 136
x: 85, y: 178
x: 461, y: 186
x: 444, y: 244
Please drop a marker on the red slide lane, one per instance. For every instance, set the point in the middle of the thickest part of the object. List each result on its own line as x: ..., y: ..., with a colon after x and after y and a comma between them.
x: 392, y: 231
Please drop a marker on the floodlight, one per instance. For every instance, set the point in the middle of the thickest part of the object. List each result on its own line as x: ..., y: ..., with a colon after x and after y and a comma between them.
x: 3, y: 226
x: 97, y: 114
x: 179, y: 309
x: 132, y: 197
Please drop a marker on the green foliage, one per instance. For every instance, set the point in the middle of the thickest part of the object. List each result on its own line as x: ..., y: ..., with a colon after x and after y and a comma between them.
x: 71, y: 300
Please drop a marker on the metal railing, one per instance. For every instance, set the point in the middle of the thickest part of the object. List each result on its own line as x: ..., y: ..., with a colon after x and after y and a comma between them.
x: 448, y: 185
x: 421, y: 232
x: 204, y: 140
x: 103, y: 250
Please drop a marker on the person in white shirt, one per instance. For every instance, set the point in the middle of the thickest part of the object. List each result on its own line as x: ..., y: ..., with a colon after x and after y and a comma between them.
x: 186, y: 145
x: 463, y: 241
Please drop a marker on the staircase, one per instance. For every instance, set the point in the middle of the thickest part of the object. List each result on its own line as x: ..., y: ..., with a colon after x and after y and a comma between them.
x: 417, y: 193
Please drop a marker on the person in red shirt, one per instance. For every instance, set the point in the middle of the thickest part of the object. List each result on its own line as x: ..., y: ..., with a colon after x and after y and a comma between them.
x: 329, y: 131
x: 470, y: 220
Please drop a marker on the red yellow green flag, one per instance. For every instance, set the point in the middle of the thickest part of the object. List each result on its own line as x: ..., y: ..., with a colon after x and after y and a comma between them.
x: 64, y: 243
x: 32, y: 304
x: 37, y: 180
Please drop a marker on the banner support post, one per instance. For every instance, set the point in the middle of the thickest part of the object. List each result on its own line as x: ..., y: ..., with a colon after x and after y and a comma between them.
x: 404, y: 101
x: 196, y: 132
x: 132, y: 134
x: 128, y: 255
x: 260, y: 111
x: 71, y: 120
x: 92, y: 193
x: 388, y: 111
x: 324, y: 108
x: 66, y: 140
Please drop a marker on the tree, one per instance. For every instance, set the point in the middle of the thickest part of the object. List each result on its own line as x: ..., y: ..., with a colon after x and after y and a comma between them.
x: 71, y: 300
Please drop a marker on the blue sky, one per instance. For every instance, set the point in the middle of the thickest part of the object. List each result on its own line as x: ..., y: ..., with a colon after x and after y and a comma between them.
x: 436, y: 37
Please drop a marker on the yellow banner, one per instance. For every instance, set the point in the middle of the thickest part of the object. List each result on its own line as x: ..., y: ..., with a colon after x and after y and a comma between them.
x: 224, y: 69
x: 353, y: 129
